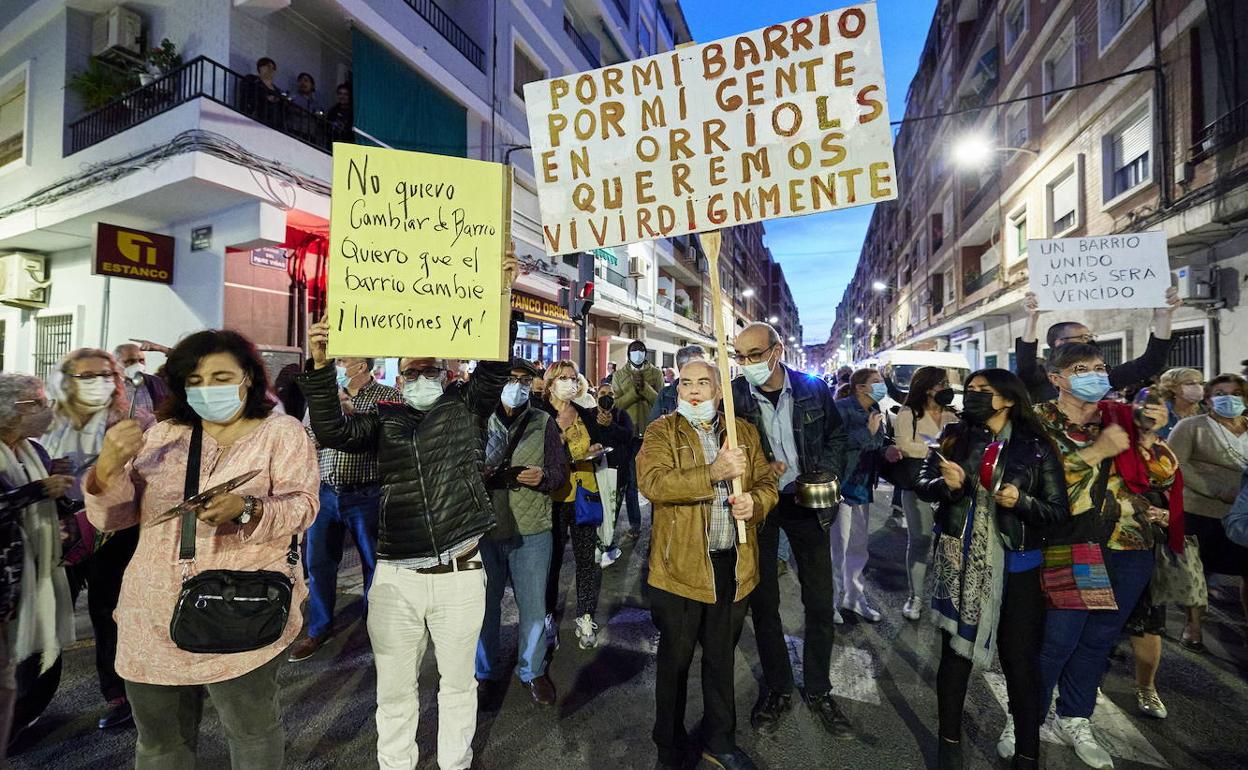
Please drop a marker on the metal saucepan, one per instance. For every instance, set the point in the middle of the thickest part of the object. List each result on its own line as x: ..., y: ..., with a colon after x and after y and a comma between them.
x: 819, y: 489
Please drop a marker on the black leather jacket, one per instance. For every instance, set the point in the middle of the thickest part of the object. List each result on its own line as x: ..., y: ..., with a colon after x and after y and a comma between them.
x: 1032, y: 465
x: 816, y: 422
x: 430, y: 464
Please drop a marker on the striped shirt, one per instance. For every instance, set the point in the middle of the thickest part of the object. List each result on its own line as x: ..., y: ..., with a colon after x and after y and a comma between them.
x: 722, y: 534
x: 337, y: 467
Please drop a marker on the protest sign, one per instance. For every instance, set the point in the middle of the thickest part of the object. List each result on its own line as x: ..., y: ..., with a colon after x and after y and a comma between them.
x: 787, y: 120
x: 1100, y: 272
x: 416, y: 255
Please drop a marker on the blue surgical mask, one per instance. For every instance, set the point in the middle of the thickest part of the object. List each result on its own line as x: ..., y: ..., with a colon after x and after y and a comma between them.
x: 515, y: 395
x: 422, y: 393
x: 878, y: 391
x: 1229, y: 407
x: 1089, y: 386
x: 701, y: 413
x: 344, y: 379
x: 215, y: 403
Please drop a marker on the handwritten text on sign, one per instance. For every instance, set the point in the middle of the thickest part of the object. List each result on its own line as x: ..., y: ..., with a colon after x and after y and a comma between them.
x: 787, y: 120
x: 1100, y: 272
x: 416, y: 249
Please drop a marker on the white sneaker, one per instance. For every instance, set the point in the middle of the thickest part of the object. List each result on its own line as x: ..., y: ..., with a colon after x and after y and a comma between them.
x: 586, y: 632
x: 1150, y: 703
x: 609, y: 557
x: 864, y: 610
x: 837, y: 618
x: 1005, y: 744
x: 913, y: 608
x: 1077, y: 732
x: 552, y: 632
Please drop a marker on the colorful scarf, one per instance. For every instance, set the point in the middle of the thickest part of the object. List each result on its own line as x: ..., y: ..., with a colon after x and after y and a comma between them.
x: 1134, y: 472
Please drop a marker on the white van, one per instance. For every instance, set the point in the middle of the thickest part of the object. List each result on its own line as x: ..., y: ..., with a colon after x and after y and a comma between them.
x: 900, y: 366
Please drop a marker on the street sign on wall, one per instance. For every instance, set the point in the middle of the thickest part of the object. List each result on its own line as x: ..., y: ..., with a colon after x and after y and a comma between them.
x: 122, y: 252
x: 783, y: 121
x: 1100, y: 272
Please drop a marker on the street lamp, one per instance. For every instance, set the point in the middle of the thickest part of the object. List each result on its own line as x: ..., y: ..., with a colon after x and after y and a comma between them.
x: 792, y: 339
x: 773, y: 320
x: 973, y: 150
x: 879, y: 286
x: 747, y: 293
x: 858, y: 321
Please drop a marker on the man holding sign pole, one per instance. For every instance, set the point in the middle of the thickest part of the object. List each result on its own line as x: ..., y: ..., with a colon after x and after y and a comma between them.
x: 429, y: 584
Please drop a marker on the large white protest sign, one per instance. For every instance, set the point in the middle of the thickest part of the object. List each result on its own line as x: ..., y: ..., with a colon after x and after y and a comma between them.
x: 787, y: 120
x: 1101, y: 272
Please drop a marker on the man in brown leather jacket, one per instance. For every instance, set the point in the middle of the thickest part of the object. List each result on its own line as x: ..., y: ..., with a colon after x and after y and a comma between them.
x: 700, y: 575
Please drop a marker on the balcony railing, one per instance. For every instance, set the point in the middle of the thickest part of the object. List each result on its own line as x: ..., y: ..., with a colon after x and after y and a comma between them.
x: 666, y: 20
x: 579, y: 41
x: 454, y: 34
x: 1224, y: 131
x: 622, y: 5
x: 973, y: 282
x: 203, y: 78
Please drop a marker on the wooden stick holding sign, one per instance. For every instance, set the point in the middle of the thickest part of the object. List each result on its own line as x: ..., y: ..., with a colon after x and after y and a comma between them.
x: 711, y: 240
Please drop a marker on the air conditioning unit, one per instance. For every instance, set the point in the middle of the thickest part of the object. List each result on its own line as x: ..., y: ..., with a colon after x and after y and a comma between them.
x: 637, y: 267
x: 117, y: 31
x: 21, y: 280
x: 1196, y: 284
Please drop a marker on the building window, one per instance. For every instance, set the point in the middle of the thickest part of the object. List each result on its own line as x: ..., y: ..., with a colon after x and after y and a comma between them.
x: 1128, y: 154
x: 13, y: 119
x: 645, y: 39
x: 1059, y: 69
x: 1187, y: 349
x: 1063, y: 202
x: 1018, y: 236
x: 1114, y: 16
x: 946, y: 216
x: 1112, y: 351
x: 1015, y: 24
x: 1017, y: 129
x: 523, y: 71
x: 54, y: 336
x: 950, y: 287
x: 990, y: 361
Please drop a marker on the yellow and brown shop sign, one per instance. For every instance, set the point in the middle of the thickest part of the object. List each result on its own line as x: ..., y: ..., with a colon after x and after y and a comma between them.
x: 121, y: 252
x: 538, y: 309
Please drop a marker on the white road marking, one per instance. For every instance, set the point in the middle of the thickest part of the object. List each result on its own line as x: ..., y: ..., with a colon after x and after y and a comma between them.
x: 853, y: 671
x: 1114, y: 729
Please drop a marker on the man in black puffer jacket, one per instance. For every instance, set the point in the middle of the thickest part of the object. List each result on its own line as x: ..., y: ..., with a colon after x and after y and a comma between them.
x: 429, y: 584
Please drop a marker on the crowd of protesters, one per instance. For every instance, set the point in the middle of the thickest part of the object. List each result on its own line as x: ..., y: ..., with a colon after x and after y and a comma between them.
x: 1057, y: 510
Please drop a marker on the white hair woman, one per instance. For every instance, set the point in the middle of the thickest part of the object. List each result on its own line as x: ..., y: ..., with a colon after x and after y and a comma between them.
x: 36, y: 615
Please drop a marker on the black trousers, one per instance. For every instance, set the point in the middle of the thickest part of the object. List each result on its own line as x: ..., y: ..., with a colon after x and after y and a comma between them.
x: 684, y: 624
x: 584, y: 555
x: 101, y: 573
x: 1020, y: 633
x: 812, y: 550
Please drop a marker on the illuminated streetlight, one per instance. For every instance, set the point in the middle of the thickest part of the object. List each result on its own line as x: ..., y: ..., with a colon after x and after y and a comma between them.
x: 879, y: 286
x: 792, y: 339
x: 972, y: 150
x: 858, y: 321
x: 747, y: 293
x: 773, y: 320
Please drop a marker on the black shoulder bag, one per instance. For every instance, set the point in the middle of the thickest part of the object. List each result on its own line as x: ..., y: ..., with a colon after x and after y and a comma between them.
x: 226, y: 611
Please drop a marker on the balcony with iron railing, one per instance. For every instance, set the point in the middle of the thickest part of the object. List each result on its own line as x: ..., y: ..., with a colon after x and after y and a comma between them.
x: 973, y: 282
x: 582, y: 44
x: 203, y: 78
x: 1221, y: 133
x: 445, y: 26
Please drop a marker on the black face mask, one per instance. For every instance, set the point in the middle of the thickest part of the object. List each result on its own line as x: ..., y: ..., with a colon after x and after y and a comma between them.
x: 606, y: 403
x: 944, y: 396
x: 977, y: 407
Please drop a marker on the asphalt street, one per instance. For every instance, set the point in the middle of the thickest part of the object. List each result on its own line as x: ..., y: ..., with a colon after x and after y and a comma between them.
x: 883, y: 673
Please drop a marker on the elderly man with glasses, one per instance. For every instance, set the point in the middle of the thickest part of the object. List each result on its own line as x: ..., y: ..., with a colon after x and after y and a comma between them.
x: 429, y: 583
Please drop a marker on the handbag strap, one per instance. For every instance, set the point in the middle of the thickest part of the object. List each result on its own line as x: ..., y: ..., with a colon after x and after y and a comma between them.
x: 514, y: 441
x: 186, y: 550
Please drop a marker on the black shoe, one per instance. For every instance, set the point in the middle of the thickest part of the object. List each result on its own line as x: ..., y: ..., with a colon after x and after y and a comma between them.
x: 830, y: 716
x: 948, y: 755
x: 1023, y: 763
x: 767, y: 712
x: 117, y: 715
x: 733, y: 760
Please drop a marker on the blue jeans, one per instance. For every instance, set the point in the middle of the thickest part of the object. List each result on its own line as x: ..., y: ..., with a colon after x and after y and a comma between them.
x: 354, y: 511
x: 1077, y: 643
x: 525, y: 561
x: 627, y: 480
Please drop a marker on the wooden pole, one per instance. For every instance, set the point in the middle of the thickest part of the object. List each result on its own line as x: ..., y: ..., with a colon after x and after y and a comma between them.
x: 711, y: 241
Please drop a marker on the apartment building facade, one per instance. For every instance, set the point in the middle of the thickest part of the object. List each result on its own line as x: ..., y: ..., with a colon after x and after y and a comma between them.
x: 1155, y: 141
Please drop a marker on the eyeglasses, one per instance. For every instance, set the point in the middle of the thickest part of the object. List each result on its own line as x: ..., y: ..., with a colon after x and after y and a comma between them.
x: 1081, y: 369
x: 1086, y: 339
x: 88, y: 376
x: 753, y: 358
x: 567, y: 378
x: 525, y: 381
x: 429, y: 373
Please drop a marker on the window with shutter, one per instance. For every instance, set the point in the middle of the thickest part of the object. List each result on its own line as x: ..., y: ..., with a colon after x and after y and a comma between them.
x: 1059, y: 70
x: 13, y: 118
x: 1128, y: 151
x: 1064, y: 202
x: 1015, y: 24
x: 523, y: 71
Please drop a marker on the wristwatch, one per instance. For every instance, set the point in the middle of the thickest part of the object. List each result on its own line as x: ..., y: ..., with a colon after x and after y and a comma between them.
x: 249, y: 509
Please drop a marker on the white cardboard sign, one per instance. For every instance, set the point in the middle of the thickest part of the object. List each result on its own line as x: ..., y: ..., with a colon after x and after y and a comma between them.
x: 787, y: 120
x: 1100, y: 272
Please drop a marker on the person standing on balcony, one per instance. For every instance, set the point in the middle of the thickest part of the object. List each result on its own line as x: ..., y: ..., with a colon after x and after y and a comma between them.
x: 264, y: 100
x: 637, y: 384
x: 305, y: 93
x: 341, y: 116
x: 801, y: 432
x: 1142, y: 369
x: 350, y: 498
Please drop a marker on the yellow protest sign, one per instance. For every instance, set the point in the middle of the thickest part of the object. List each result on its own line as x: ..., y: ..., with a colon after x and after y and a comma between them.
x: 416, y: 255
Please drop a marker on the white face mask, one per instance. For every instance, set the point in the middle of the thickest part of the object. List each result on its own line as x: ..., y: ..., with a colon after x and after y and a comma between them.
x: 1193, y: 393
x: 422, y: 392
x: 637, y: 357
x: 757, y: 374
x: 95, y: 393
x: 565, y: 390
x: 699, y: 414
x: 133, y: 371
x: 515, y: 394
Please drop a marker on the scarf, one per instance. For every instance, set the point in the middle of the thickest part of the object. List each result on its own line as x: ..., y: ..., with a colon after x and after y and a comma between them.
x: 79, y: 445
x: 45, y: 617
x: 1134, y: 471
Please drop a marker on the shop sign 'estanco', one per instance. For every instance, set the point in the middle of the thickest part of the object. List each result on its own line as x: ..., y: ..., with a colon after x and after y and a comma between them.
x: 124, y: 253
